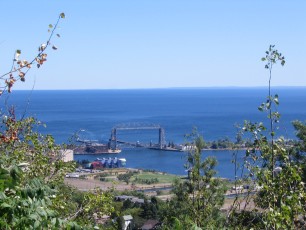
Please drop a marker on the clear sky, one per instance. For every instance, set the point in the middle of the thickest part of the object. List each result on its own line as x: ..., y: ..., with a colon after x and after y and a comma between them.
x: 156, y: 43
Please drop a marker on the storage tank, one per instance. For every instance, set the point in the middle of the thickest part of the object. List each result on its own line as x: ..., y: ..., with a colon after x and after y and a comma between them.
x: 115, y: 162
x: 109, y: 162
x: 121, y: 162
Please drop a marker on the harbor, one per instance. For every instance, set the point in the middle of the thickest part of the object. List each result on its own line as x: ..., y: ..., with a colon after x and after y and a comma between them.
x: 169, y: 162
x: 114, y: 145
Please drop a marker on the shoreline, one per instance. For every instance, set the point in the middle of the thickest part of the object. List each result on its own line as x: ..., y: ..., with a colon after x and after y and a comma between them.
x: 166, y: 150
x: 226, y: 149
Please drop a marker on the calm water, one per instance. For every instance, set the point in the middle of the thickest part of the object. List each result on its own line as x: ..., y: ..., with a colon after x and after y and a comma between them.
x: 213, y: 111
x: 171, y: 162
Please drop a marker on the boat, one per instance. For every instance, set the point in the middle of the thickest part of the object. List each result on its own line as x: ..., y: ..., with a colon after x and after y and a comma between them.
x: 95, y: 148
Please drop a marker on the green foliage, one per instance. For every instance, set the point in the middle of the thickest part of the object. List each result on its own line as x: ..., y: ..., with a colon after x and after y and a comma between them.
x: 32, y: 191
x: 139, y: 211
x: 300, y: 128
x: 224, y: 143
x: 198, y: 200
x: 281, y: 199
x: 146, y: 181
x: 22, y: 207
x: 30, y: 166
x: 126, y: 177
x: 32, y: 170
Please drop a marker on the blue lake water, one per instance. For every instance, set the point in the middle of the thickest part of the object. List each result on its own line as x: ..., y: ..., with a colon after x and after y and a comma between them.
x: 214, y: 111
x: 170, y: 162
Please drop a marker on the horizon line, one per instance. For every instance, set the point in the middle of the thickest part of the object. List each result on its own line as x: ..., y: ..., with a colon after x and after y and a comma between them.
x: 157, y: 88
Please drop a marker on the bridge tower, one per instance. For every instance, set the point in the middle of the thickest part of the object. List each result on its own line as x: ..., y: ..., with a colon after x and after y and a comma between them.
x: 161, y: 141
x: 113, y: 140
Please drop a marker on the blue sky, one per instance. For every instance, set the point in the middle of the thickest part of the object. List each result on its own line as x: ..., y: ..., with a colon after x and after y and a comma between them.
x: 156, y: 43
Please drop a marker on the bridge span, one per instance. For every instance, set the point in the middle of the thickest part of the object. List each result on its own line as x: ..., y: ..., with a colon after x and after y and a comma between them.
x: 137, y: 126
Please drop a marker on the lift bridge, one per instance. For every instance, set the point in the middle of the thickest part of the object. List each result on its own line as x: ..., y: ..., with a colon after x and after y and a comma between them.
x: 137, y: 126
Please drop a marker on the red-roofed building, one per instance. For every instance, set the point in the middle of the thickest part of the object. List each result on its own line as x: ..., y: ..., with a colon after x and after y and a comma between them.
x: 96, y: 165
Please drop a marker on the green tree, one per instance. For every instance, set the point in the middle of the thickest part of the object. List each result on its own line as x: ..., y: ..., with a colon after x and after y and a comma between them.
x: 300, y: 128
x: 125, y: 177
x: 281, y: 199
x: 32, y: 193
x: 299, y: 147
x: 198, y: 200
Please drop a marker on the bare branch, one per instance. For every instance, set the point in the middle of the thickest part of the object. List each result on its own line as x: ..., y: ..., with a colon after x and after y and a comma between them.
x: 23, y: 67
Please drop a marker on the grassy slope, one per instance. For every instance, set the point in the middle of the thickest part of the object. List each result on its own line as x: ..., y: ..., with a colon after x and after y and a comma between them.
x: 162, y: 178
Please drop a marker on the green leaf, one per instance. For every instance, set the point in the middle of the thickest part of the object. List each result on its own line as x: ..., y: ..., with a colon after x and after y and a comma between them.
x: 5, y: 205
x: 50, y: 26
x: 43, y: 203
x: 50, y: 212
x: 33, y: 216
x: 2, y: 196
x: 62, y: 15
x: 53, y: 221
x: 36, y: 224
x: 263, y: 59
x: 41, y: 212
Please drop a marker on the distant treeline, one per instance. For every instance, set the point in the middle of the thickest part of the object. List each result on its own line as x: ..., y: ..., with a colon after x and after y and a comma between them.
x: 226, y: 143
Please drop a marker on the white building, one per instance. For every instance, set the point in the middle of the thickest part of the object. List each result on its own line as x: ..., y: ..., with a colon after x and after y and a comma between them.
x: 67, y: 155
x: 127, y: 222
